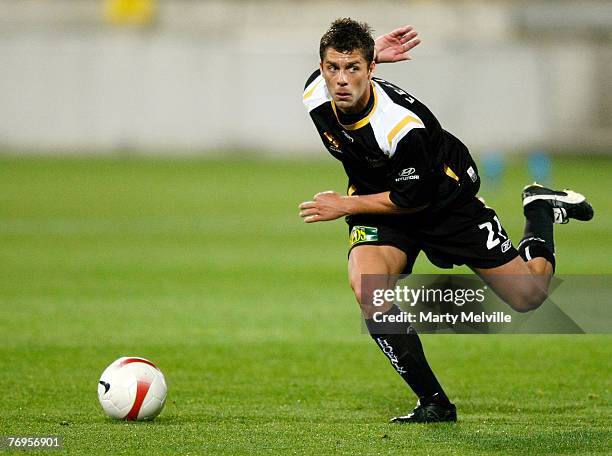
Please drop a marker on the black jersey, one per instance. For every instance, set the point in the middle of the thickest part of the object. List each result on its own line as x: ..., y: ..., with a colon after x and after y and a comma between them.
x: 397, y: 146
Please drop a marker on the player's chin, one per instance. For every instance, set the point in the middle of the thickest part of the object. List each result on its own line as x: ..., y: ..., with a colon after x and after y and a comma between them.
x: 344, y: 103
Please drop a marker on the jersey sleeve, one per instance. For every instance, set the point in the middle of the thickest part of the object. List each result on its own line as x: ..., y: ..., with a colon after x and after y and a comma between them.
x: 410, y: 178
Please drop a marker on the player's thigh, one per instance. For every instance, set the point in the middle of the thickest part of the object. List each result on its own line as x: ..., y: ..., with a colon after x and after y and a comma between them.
x: 376, y: 259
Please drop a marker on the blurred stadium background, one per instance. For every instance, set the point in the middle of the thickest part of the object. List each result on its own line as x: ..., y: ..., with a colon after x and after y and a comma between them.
x: 152, y: 156
x: 188, y: 76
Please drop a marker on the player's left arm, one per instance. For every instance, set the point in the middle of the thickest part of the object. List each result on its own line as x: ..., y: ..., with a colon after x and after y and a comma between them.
x: 331, y: 205
x: 395, y: 46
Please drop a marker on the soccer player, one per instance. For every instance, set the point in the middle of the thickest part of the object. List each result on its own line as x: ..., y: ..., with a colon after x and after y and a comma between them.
x: 412, y: 186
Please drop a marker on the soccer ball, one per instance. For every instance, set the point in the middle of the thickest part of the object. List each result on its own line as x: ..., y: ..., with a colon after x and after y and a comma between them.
x: 132, y: 388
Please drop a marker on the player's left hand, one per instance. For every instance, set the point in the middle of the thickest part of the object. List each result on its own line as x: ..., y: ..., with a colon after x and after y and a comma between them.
x: 324, y: 206
x: 394, y: 46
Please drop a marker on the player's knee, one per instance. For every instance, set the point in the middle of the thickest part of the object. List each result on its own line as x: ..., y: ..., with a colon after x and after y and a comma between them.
x: 366, y: 305
x: 356, y: 286
x: 528, y: 300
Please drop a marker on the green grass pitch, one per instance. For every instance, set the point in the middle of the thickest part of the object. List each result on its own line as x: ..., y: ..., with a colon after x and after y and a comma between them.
x: 204, y: 267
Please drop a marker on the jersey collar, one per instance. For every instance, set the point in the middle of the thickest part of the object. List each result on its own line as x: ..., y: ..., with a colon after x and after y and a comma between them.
x: 362, y: 122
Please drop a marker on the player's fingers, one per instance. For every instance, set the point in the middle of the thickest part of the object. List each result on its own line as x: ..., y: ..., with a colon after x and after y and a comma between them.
x: 401, y: 31
x: 312, y: 218
x: 408, y: 36
x: 327, y: 192
x: 307, y: 204
x: 411, y: 44
x: 308, y: 212
x: 405, y: 55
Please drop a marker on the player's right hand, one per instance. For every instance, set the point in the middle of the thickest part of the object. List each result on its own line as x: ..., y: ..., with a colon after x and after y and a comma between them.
x: 395, y: 45
x: 325, y: 206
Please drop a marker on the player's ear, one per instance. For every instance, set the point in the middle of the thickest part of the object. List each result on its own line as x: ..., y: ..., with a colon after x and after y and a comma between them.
x: 371, y: 68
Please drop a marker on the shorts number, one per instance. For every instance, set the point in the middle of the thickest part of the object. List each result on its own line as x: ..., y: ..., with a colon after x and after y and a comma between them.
x: 493, y: 238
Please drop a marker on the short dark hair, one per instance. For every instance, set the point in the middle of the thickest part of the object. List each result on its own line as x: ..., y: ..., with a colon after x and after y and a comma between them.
x: 347, y: 35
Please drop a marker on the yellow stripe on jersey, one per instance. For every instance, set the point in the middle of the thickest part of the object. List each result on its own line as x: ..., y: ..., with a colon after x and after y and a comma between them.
x: 308, y: 94
x: 401, y: 124
x: 363, y: 122
x: 351, y: 190
x: 450, y: 173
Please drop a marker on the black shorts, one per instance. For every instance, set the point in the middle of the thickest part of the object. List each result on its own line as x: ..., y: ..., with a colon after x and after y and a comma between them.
x: 469, y: 233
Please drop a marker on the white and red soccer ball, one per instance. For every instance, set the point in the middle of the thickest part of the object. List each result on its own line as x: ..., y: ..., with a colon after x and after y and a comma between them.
x: 132, y: 388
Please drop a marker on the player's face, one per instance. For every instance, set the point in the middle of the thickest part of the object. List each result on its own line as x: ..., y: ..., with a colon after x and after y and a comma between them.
x: 347, y: 75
